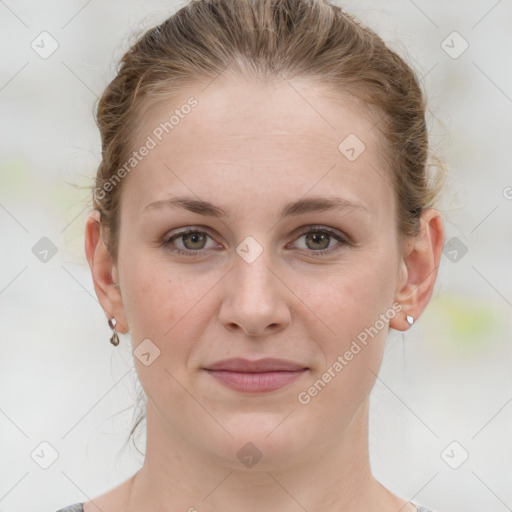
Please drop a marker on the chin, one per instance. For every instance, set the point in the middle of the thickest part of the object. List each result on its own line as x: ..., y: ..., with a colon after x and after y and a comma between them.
x: 259, y: 442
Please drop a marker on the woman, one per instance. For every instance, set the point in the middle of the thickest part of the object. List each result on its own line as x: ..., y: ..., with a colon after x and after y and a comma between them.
x: 263, y: 215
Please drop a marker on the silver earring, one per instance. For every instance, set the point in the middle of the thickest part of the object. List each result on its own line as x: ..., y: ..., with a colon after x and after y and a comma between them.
x: 115, y: 338
x: 410, y: 320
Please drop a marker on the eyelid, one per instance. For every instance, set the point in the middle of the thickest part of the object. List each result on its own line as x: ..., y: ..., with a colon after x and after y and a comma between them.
x: 185, y: 231
x: 339, y: 236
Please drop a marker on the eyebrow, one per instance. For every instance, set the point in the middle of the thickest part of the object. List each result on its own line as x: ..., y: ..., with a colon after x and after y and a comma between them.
x: 299, y: 207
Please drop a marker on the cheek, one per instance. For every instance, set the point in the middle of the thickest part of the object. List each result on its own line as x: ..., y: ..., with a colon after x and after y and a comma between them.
x: 143, y: 296
x: 354, y: 306
x: 164, y: 301
x: 353, y: 354
x: 161, y: 304
x: 352, y: 297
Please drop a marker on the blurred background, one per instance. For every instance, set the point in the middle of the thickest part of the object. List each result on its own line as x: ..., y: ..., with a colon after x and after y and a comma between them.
x: 441, y: 417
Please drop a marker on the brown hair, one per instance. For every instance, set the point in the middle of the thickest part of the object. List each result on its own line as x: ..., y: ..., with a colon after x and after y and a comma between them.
x: 266, y: 40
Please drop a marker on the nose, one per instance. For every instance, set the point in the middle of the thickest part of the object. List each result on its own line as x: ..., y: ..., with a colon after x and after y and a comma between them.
x: 255, y: 298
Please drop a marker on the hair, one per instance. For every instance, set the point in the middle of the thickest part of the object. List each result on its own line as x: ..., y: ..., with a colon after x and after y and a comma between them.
x: 269, y: 40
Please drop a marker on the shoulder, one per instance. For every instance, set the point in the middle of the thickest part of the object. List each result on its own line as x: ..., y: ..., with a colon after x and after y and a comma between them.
x: 77, y: 507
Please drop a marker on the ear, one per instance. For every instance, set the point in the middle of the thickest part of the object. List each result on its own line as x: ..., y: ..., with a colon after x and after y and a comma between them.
x: 104, y: 272
x: 419, y: 268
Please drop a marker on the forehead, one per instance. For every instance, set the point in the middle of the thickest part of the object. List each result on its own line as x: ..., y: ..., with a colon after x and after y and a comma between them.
x: 281, y: 138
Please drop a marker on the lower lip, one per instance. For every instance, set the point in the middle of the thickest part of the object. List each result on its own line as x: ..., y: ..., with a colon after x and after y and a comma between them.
x: 256, y: 382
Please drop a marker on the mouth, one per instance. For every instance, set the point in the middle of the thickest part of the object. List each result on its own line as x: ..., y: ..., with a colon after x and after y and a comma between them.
x: 255, y: 376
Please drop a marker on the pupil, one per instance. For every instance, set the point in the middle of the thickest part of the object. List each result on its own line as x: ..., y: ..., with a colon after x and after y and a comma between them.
x: 195, y: 238
x: 317, y: 238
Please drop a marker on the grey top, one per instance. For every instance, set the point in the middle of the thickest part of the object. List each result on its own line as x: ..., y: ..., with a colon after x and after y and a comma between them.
x: 78, y: 507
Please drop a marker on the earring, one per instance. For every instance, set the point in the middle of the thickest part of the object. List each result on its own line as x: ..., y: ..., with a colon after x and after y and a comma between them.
x: 115, y: 338
x: 410, y: 320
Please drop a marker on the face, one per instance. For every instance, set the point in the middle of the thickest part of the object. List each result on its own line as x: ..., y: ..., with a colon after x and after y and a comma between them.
x: 294, y: 257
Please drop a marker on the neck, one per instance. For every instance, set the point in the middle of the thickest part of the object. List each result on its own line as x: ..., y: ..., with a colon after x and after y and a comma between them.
x: 334, y: 476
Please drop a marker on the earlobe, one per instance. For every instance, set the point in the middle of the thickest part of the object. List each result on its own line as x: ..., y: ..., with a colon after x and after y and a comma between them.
x: 104, y: 272
x: 420, y: 267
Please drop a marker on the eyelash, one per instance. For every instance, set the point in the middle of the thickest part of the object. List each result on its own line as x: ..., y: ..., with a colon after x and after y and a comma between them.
x: 312, y: 229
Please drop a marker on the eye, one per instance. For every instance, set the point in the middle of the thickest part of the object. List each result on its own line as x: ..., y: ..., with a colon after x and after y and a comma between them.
x: 318, y: 240
x: 193, y: 241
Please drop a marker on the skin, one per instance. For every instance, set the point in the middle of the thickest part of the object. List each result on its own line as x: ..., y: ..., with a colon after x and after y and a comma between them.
x: 251, y: 149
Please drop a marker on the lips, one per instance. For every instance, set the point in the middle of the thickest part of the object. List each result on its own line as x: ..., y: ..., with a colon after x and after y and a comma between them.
x: 259, y: 366
x: 259, y: 376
